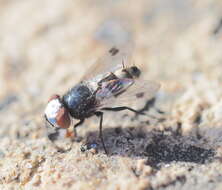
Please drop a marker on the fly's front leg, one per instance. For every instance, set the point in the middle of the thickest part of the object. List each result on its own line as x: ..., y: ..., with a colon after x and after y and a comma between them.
x: 53, y: 137
x: 76, y: 125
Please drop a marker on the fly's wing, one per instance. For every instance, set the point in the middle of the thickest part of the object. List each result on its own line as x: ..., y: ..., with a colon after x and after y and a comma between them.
x: 123, y: 91
x: 111, y: 61
x: 113, y: 89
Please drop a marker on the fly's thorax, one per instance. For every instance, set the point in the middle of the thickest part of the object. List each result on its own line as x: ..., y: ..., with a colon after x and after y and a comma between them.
x: 80, y: 100
x: 56, y: 114
x: 92, y: 85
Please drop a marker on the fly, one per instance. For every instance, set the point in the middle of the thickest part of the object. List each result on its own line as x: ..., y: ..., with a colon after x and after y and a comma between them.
x: 105, y: 87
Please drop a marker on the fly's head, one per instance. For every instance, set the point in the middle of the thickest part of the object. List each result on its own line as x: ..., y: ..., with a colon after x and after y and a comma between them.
x: 56, y: 114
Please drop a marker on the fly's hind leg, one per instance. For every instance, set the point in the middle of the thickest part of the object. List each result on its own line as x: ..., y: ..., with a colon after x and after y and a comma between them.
x: 148, y: 105
x: 137, y: 112
x: 123, y: 108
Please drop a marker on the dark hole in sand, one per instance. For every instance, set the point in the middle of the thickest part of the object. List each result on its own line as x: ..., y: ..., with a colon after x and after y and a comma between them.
x: 162, y: 151
x: 159, y: 147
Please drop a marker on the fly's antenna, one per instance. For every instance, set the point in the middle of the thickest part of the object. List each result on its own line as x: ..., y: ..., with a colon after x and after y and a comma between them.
x: 123, y: 64
x: 133, y: 62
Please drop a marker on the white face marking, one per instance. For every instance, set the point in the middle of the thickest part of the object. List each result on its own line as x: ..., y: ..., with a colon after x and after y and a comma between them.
x: 52, y: 109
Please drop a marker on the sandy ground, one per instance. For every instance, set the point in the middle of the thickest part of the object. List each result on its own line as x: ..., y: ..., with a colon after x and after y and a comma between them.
x: 45, y: 48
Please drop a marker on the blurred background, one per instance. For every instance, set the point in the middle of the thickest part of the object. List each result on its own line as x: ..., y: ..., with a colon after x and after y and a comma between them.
x: 47, y: 45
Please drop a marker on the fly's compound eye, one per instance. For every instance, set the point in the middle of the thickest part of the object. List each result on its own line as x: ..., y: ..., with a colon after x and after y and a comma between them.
x: 54, y: 96
x: 63, y: 118
x: 56, y: 114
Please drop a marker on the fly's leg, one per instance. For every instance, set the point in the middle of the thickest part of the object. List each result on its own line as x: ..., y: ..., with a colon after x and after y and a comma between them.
x: 100, y: 114
x: 128, y: 108
x: 76, y: 125
x: 123, y: 108
x: 150, y: 104
x: 53, y: 137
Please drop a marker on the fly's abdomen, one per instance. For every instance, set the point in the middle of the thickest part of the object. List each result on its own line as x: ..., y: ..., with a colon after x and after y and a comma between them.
x: 79, y: 100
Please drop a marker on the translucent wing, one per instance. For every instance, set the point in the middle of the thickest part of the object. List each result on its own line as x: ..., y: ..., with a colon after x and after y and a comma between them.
x: 112, y: 60
x: 127, y: 91
x: 113, y: 88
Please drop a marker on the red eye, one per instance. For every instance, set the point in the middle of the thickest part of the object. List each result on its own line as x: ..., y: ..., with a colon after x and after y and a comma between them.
x: 63, y: 119
x: 54, y: 96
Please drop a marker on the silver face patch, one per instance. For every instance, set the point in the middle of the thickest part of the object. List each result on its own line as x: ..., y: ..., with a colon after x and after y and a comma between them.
x: 52, y: 110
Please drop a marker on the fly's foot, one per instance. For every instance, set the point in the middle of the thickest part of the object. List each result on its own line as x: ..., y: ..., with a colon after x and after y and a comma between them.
x: 91, y: 147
